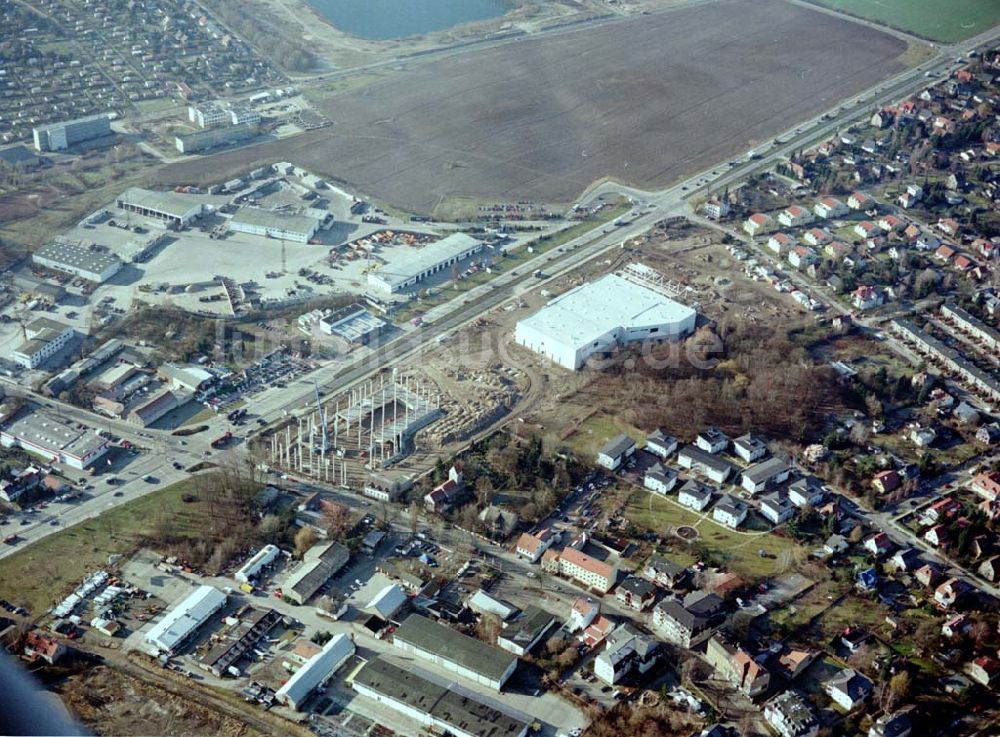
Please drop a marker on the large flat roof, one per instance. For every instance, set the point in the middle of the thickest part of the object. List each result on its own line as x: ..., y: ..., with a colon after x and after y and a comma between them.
x: 77, y: 257
x: 186, y: 617
x: 56, y: 435
x: 277, y: 220
x: 401, y: 270
x: 592, y: 310
x: 169, y: 203
x: 471, y: 714
x: 463, y: 650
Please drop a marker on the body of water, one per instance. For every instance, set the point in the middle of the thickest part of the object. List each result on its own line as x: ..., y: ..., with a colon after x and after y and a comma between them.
x: 387, y: 19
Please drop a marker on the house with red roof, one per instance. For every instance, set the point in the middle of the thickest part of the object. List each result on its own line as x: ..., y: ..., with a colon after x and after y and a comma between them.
x: 757, y: 224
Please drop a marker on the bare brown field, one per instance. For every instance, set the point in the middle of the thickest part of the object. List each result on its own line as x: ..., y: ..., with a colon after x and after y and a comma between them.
x: 645, y: 100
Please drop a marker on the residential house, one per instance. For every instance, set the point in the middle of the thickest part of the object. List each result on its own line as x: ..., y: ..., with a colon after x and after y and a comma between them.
x: 793, y: 662
x: 790, y: 715
x: 776, y: 507
x: 817, y: 236
x: 636, y: 593
x: 716, y: 209
x: 906, y: 559
x: 990, y: 569
x: 664, y: 572
x: 695, y: 495
x: 837, y: 251
x: 660, y: 479
x: 581, y: 567
x: 879, y: 544
x: 523, y: 634
x: 729, y: 512
x: 736, y: 666
x: 836, y: 544
x: 532, y: 546
x: 712, y: 440
x: 711, y: 466
x: 661, y: 444
x: 854, y: 639
x: 848, y: 689
x: 987, y: 485
x: 951, y: 592
x: 830, y: 207
x: 867, y: 297
x: 923, y: 437
x: 897, y: 724
x: 795, y: 217
x: 984, y: 670
x: 890, y: 224
x: 627, y: 651
x: 945, y: 253
x: 615, y: 451
x: 765, y: 474
x: 927, y: 574
x: 582, y: 614
x: 942, y: 509
x: 802, y: 256
x: 597, y: 630
x: 806, y: 491
x: 40, y: 646
x: 886, y: 481
x: 866, y: 229
x: 780, y: 243
x: 867, y: 579
x: 860, y: 201
x: 758, y: 224
x: 987, y: 435
x: 948, y: 226
x: 937, y: 536
x: 956, y: 626
x: 749, y: 447
x: 688, y: 625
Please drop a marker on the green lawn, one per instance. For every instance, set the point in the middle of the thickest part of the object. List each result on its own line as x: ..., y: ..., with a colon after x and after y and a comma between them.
x: 595, y: 431
x: 740, y: 551
x: 938, y: 20
x: 37, y: 576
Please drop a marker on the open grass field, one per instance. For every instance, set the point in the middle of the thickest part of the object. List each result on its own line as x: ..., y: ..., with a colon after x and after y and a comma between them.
x: 37, y: 576
x: 644, y: 100
x: 740, y: 550
x: 938, y: 20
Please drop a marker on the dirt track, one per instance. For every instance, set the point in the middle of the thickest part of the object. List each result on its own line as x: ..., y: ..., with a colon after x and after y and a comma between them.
x: 644, y: 100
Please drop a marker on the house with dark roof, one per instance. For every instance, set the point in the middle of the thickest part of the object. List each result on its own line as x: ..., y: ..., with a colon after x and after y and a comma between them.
x: 614, y: 452
x: 705, y: 463
x: 664, y: 572
x: 848, y: 689
x: 636, y: 593
x: 695, y: 495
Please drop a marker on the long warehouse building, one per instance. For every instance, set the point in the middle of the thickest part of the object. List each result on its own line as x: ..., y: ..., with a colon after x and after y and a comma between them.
x: 597, y: 317
x: 316, y: 671
x: 176, y: 210
x: 431, y: 259
x: 60, y: 136
x: 181, y: 622
x: 271, y: 224
x: 455, y: 652
x: 440, y: 708
x: 92, y: 265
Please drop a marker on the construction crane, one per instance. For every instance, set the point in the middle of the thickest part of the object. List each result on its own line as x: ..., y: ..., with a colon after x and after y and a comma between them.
x: 322, y: 417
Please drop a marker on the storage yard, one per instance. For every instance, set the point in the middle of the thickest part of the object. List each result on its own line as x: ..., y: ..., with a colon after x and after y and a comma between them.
x: 698, y: 84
